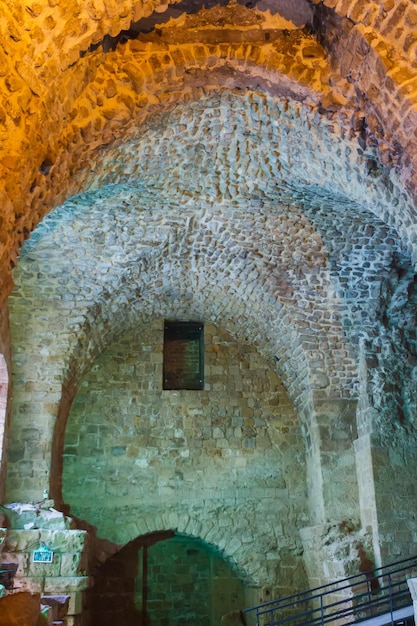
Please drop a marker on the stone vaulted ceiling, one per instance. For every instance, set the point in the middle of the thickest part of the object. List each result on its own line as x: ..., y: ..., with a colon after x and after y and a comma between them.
x: 248, y: 163
x: 221, y: 210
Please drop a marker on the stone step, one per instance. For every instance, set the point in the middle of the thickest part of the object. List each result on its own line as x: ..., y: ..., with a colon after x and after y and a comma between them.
x: 58, y: 606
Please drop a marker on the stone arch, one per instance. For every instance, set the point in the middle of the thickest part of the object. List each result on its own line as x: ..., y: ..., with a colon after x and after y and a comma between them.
x: 125, y: 182
x: 42, y: 196
x: 245, y: 560
x: 91, y: 336
x: 164, y: 573
x: 351, y: 97
x: 377, y: 57
x: 163, y: 472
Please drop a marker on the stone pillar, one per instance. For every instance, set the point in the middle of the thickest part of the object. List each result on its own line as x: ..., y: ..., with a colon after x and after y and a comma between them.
x: 364, y: 458
x: 332, y: 551
x: 395, y: 487
x: 366, y: 485
x: 336, y: 422
x: 332, y: 542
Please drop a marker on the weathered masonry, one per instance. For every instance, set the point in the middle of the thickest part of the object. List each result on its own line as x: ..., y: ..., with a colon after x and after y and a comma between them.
x: 250, y: 168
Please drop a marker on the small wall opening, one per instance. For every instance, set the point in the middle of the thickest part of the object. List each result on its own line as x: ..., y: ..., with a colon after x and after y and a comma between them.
x: 165, y: 579
x: 183, y: 355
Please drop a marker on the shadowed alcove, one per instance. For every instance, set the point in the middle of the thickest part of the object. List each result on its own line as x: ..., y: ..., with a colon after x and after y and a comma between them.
x: 164, y: 579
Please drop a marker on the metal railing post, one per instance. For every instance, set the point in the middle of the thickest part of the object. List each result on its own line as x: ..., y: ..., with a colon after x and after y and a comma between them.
x: 391, y: 607
x: 322, y: 610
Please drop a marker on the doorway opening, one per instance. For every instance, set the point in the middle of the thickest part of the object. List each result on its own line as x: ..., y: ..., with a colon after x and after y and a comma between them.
x: 164, y: 579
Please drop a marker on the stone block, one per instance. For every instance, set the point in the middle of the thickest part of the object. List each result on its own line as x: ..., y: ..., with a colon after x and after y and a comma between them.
x: 65, y: 540
x: 44, y: 569
x: 33, y: 584
x: 70, y: 564
x: 43, y: 516
x: 21, y: 540
x: 75, y: 604
x: 68, y: 585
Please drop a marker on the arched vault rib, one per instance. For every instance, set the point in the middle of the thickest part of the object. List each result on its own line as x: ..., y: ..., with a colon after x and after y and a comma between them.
x: 72, y: 123
x: 146, y: 256
x: 142, y: 79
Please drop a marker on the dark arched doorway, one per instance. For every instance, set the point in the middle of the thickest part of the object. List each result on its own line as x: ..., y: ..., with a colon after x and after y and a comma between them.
x: 164, y: 579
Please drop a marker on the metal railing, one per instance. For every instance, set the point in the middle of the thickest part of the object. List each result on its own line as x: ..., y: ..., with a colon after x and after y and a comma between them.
x: 374, y: 593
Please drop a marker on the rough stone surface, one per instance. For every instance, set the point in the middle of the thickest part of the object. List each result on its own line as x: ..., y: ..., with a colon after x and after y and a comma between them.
x: 249, y: 164
x: 42, y: 515
x: 166, y: 57
x: 191, y: 461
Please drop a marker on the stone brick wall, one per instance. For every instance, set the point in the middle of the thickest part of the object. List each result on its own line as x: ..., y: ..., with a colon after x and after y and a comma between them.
x: 33, y: 527
x: 222, y: 464
x: 395, y: 490
x: 64, y: 575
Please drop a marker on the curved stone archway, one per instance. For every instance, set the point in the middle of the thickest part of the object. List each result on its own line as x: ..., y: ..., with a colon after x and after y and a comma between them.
x: 161, y: 574
x: 170, y: 76
x: 194, y: 462
x: 201, y: 244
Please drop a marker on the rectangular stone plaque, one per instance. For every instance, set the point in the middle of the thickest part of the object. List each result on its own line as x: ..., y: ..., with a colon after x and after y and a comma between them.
x: 183, y: 355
